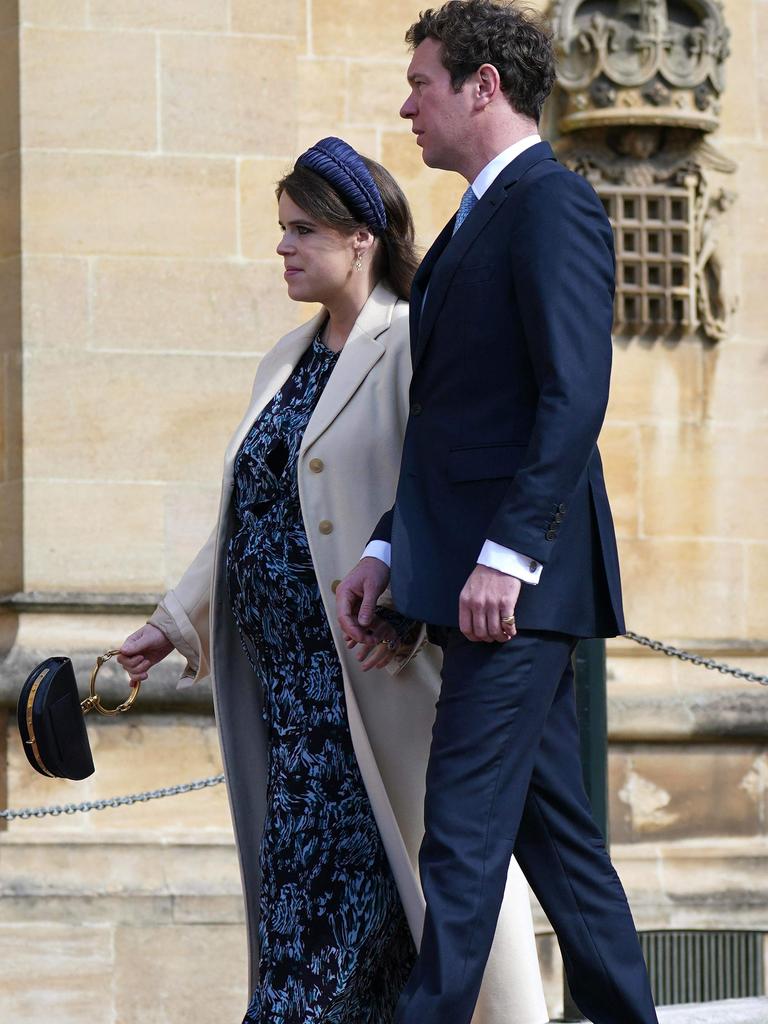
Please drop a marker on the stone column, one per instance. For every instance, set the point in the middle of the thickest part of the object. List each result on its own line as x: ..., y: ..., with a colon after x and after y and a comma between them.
x: 11, y: 525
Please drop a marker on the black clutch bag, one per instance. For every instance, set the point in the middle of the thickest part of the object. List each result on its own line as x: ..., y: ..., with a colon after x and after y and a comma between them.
x: 51, y: 718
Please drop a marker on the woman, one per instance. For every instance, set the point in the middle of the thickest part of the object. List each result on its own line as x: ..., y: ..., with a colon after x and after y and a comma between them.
x: 325, y: 763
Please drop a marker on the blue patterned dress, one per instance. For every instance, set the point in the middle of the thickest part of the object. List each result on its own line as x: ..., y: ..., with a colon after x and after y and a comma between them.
x: 334, y: 943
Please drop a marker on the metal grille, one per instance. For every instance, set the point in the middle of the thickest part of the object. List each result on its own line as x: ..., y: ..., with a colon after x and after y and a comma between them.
x: 654, y: 235
x: 700, y: 967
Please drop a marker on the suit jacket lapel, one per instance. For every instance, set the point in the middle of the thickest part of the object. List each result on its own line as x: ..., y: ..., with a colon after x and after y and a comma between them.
x: 422, y: 279
x: 449, y: 250
x: 361, y: 352
x: 445, y: 267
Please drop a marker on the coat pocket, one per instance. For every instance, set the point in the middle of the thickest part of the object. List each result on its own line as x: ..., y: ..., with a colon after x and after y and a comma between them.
x: 485, y: 462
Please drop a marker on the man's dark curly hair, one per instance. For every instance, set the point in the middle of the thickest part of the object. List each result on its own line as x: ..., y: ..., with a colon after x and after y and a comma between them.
x: 511, y: 37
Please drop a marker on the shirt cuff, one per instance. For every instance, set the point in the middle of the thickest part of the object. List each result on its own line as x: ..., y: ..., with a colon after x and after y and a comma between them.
x: 495, y: 556
x: 380, y: 549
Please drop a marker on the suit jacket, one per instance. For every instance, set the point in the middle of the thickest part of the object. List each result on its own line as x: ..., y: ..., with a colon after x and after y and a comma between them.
x: 347, y: 472
x: 511, y: 366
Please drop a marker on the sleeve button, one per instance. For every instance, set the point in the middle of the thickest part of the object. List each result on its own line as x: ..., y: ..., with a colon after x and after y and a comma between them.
x: 551, y: 534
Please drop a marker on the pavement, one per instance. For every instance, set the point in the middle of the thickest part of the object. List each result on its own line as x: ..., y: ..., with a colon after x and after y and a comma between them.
x: 730, y: 1011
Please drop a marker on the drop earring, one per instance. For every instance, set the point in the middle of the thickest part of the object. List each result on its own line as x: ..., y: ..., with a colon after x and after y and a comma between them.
x: 358, y: 261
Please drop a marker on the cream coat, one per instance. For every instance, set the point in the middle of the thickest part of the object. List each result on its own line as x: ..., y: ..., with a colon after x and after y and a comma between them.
x: 356, y: 434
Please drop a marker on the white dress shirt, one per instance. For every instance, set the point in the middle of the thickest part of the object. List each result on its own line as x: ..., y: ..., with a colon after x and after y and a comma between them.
x: 494, y: 555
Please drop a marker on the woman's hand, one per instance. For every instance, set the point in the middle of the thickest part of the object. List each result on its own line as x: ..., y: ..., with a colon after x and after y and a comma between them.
x: 142, y: 650
x: 379, y: 647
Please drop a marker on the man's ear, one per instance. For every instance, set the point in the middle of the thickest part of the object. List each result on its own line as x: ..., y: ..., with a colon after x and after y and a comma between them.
x: 487, y: 85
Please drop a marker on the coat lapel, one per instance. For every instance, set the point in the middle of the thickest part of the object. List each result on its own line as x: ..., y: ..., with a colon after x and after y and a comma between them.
x: 361, y: 352
x: 454, y: 248
x: 274, y: 370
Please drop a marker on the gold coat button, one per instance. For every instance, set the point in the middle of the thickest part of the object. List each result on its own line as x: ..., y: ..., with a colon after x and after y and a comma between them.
x: 326, y: 526
x: 335, y: 586
x: 316, y: 465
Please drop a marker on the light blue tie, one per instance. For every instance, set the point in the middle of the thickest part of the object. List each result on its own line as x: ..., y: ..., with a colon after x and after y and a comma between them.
x: 467, y: 204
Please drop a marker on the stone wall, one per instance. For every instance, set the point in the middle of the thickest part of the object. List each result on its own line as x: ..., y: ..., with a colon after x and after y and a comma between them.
x: 152, y: 134
x: 10, y: 304
x: 153, y: 137
x: 688, y: 782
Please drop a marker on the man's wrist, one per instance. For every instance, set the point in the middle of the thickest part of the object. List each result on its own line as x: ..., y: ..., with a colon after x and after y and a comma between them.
x: 380, y: 549
x: 510, y: 562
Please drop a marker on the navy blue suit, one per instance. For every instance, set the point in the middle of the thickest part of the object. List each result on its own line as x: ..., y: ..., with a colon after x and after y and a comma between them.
x: 511, y: 368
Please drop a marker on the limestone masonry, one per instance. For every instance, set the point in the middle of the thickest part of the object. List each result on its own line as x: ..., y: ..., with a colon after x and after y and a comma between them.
x: 140, y: 142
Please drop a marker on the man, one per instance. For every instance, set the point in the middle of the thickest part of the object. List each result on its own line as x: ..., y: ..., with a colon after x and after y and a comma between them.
x: 501, y: 536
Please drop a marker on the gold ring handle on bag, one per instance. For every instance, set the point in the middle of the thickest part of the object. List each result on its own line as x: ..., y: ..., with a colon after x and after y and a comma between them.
x: 94, y: 700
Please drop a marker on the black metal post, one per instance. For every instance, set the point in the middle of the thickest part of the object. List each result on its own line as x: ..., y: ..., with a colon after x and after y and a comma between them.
x: 592, y: 712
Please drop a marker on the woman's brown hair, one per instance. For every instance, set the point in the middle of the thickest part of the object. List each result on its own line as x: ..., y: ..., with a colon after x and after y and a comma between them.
x: 396, y: 258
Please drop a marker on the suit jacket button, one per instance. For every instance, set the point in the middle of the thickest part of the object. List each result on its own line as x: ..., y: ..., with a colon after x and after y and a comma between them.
x: 416, y: 409
x: 325, y: 526
x: 335, y: 586
x: 551, y: 534
x: 316, y: 465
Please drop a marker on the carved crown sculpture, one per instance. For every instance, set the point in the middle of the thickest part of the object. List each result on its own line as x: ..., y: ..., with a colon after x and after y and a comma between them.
x: 637, y: 62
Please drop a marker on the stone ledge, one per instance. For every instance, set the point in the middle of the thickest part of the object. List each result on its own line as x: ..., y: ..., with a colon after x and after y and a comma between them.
x: 168, y: 879
x: 161, y: 695
x: 697, y: 717
x: 700, y: 717
x: 72, y: 603
x: 38, y: 624
x: 671, y: 886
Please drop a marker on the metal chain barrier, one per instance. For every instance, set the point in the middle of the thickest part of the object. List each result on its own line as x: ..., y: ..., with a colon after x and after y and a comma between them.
x: 217, y: 780
x: 697, y: 659
x: 114, y: 801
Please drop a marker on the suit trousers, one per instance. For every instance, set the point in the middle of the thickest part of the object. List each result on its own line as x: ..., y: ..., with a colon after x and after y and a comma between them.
x: 504, y: 777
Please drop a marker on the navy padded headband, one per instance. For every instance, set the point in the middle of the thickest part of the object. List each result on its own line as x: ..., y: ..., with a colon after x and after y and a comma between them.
x: 345, y: 170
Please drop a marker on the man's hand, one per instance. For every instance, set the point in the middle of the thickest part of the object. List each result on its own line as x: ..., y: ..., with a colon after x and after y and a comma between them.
x: 356, y: 597
x: 143, y: 649
x: 488, y: 597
